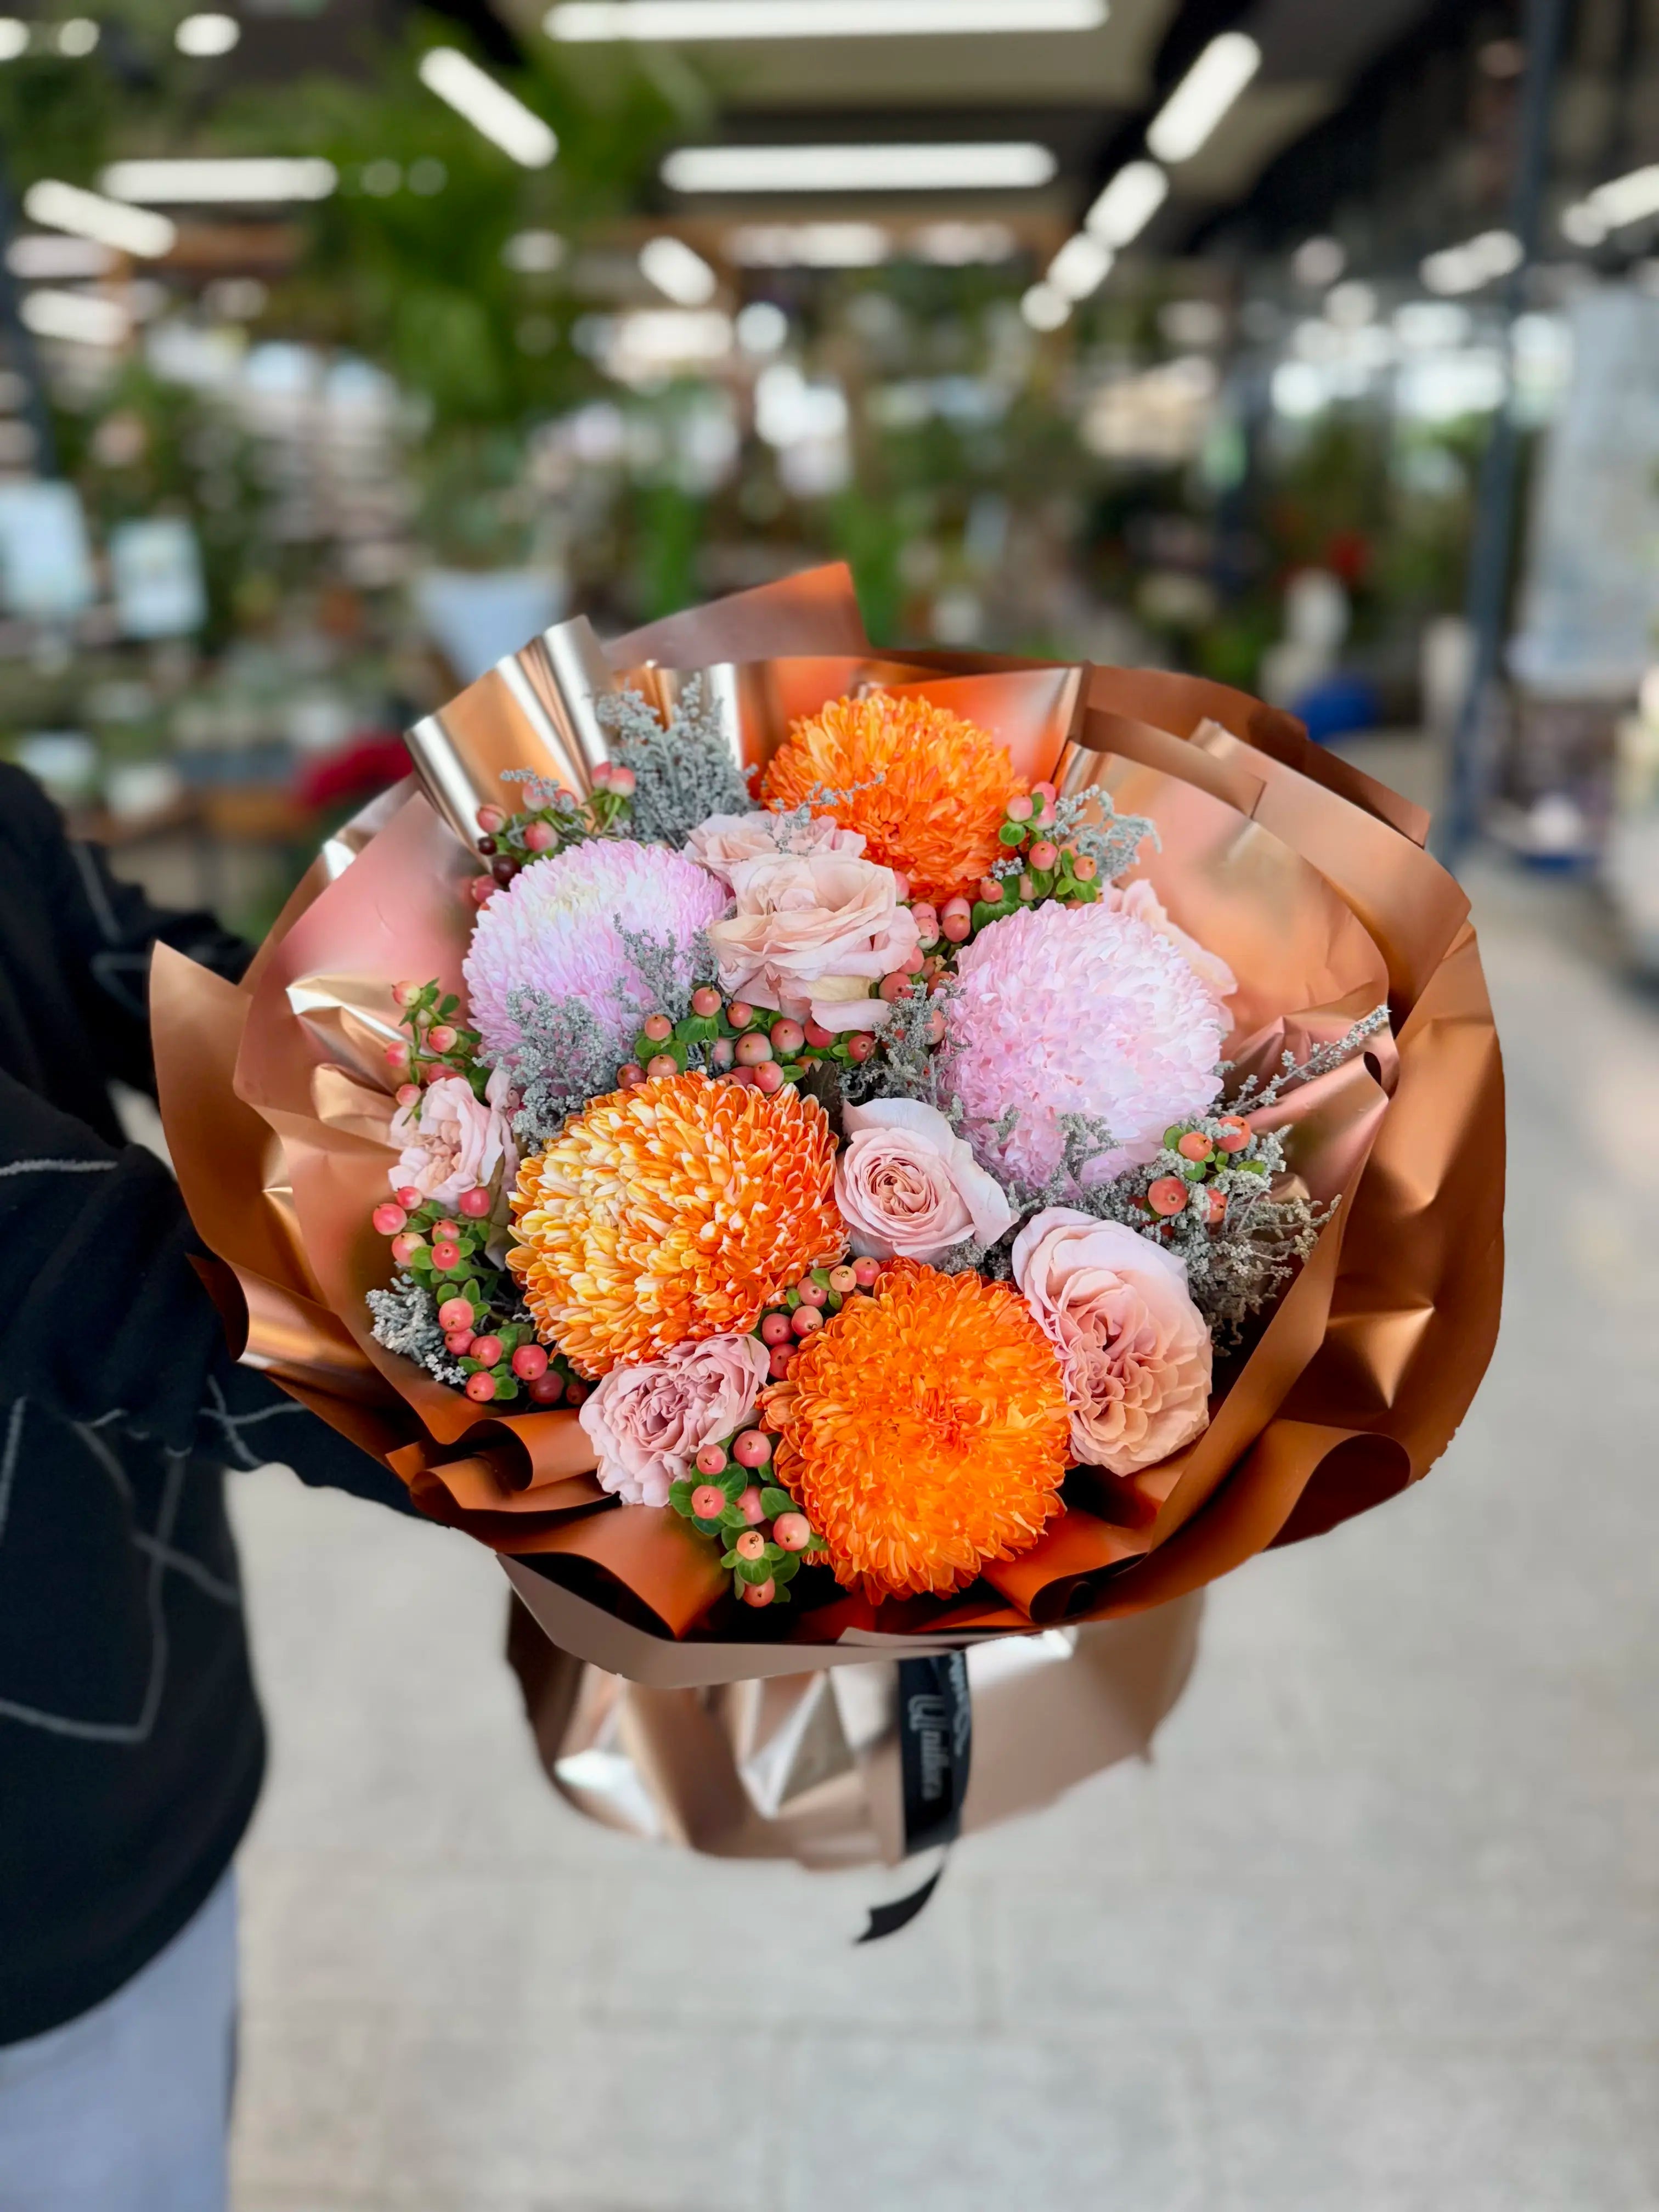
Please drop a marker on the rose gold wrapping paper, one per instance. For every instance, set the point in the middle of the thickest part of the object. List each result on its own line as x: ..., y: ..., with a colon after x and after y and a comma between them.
x: 1307, y: 877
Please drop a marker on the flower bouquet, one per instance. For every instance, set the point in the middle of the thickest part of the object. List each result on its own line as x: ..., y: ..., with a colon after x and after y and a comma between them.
x: 813, y: 1155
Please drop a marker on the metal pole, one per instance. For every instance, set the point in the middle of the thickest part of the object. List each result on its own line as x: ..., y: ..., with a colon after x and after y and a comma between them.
x: 1494, y: 519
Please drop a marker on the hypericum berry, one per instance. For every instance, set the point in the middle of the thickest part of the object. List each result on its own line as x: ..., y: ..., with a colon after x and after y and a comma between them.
x: 711, y: 1460
x: 788, y: 1038
x: 404, y: 995
x: 811, y: 1293
x: 805, y: 1319
x: 459, y: 1342
x: 622, y: 782
x: 1235, y: 1133
x: 956, y: 920
x: 547, y: 1388
x: 449, y: 1229
x: 445, y: 1254
x: 843, y: 1280
x: 748, y: 1504
x: 480, y: 1388
x: 481, y: 890
x: 1084, y: 869
x: 818, y: 1037
x: 486, y: 846
x: 1027, y: 889
x: 792, y: 1530
x: 740, y: 1013
x: 1168, y: 1196
x: 397, y: 1056
x: 1019, y: 810
x: 760, y: 1593
x: 722, y: 1052
x: 776, y: 1329
x: 1194, y: 1145
x: 750, y: 1545
x: 490, y: 819
x: 405, y: 1248
x: 662, y: 1063
x: 752, y: 1449
x: 602, y: 775
x: 529, y: 1361
x: 860, y: 1045
x: 630, y: 1075
x: 487, y: 1351
x: 990, y: 890
x: 706, y: 1002
x: 576, y: 1393
x: 456, y: 1313
x: 657, y: 1028
x: 864, y: 1273
x: 782, y: 1358
x: 1043, y: 854
x: 707, y: 1501
x: 503, y: 867
x: 476, y: 1204
x: 896, y: 987
x: 408, y: 1197
x: 388, y: 1219
x: 1215, y: 1203
x: 540, y: 837
x: 754, y: 1048
x: 768, y: 1077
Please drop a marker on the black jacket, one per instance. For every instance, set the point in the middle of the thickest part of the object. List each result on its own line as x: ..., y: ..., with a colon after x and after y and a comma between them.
x: 131, y: 1742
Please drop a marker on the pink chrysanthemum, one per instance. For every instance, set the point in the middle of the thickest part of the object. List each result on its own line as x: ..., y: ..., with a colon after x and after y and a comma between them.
x: 554, y: 928
x: 1079, y: 1010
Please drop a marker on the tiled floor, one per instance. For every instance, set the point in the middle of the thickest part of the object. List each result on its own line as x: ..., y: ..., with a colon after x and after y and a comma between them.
x: 1378, y: 1932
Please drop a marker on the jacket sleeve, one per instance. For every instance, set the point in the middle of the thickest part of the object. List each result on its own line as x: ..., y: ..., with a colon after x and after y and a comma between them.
x: 106, y: 931
x: 109, y: 1325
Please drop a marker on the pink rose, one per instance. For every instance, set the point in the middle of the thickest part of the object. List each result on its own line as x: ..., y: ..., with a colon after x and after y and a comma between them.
x: 811, y: 934
x: 1134, y: 1348
x: 647, y: 1423
x: 1140, y: 899
x: 908, y: 1186
x: 724, y: 840
x: 454, y: 1141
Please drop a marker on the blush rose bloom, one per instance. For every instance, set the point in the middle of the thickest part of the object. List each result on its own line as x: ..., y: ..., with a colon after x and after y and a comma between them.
x: 1140, y: 899
x: 908, y: 1188
x: 647, y: 1423
x: 724, y: 840
x: 459, y: 1142
x: 811, y: 935
x: 1134, y: 1348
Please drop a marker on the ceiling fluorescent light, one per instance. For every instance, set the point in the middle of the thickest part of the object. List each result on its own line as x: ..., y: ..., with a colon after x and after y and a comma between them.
x: 1081, y: 266
x: 693, y: 22
x: 975, y: 167
x: 1128, y: 204
x: 1468, y: 268
x: 1183, y: 124
x: 48, y: 257
x: 13, y: 38
x: 808, y: 244
x: 1626, y: 199
x: 489, y: 107
x: 57, y: 206
x: 1044, y: 308
x: 678, y: 273
x: 261, y: 181
x: 202, y: 37
x: 83, y: 317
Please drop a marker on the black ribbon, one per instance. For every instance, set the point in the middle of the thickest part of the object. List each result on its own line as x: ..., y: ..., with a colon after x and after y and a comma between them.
x: 936, y: 1745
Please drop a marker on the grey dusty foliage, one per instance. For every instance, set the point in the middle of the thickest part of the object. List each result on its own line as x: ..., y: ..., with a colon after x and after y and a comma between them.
x: 1250, y: 1097
x: 682, y: 772
x: 406, y: 1322
x: 909, y: 1064
x: 562, y: 1057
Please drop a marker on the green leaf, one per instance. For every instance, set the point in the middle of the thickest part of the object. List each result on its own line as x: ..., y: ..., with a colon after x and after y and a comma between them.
x: 730, y: 1560
x: 734, y: 1518
x: 816, y: 1543
x: 788, y: 1568
x: 679, y: 1497
x: 734, y: 1482
x: 753, y: 1571
x: 450, y: 1005
x: 698, y: 1028
x: 1013, y: 833
x: 781, y: 1596
x: 705, y: 1528
x: 774, y: 1502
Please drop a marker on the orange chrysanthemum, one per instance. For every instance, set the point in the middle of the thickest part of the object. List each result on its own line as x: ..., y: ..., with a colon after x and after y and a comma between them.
x: 943, y: 792
x: 674, y: 1210
x: 924, y: 1431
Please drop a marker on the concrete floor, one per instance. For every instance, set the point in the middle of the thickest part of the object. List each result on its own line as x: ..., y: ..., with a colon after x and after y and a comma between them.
x: 1378, y: 1931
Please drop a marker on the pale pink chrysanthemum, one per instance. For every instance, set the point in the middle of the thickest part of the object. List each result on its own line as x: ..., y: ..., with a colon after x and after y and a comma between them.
x: 1079, y: 1010
x: 554, y: 928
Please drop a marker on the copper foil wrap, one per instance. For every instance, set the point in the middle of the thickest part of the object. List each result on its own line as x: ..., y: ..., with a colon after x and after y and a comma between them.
x: 1306, y: 876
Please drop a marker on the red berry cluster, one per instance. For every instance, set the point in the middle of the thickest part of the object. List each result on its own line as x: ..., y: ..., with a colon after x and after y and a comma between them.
x: 1204, y: 1148
x: 805, y: 1306
x: 1049, y: 870
x: 738, y: 1043
x: 438, y: 1044
x: 731, y: 1498
x: 510, y: 842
